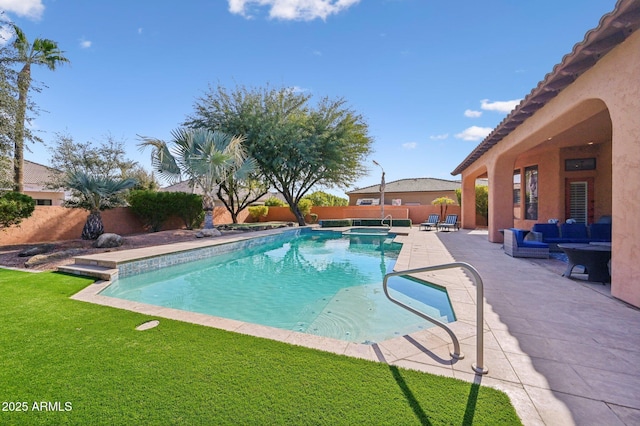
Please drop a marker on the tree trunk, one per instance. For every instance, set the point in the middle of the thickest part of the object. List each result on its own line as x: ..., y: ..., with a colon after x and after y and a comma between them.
x: 296, y: 212
x: 24, y: 80
x: 207, y: 205
x: 208, y: 219
x: 93, y: 227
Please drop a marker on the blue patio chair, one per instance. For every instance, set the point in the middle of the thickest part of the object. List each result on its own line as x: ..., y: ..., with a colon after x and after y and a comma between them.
x: 516, y: 246
x: 431, y: 222
x: 450, y: 222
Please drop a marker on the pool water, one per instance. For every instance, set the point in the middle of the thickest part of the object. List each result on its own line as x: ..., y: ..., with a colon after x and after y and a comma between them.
x: 318, y: 283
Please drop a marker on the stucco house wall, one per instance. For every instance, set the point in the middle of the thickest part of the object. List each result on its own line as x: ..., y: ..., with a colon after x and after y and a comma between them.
x: 601, y: 105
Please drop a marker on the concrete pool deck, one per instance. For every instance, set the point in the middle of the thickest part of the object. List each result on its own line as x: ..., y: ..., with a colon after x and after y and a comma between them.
x: 564, y: 350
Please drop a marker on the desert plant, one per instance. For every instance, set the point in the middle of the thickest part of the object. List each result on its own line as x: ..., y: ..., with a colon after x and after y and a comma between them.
x: 95, y: 194
x: 257, y: 212
x: 41, y: 52
x: 205, y: 157
x: 443, y: 202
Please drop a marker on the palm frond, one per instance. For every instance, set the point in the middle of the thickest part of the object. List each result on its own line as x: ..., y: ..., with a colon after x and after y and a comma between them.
x: 162, y: 160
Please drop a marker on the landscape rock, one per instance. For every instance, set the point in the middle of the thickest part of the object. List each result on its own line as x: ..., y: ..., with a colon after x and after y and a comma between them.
x: 39, y: 259
x: 208, y: 233
x: 40, y: 249
x: 108, y: 241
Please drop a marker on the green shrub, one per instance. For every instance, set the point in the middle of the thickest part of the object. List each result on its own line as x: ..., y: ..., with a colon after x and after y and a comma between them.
x: 151, y: 207
x: 154, y: 208
x: 14, y: 207
x: 257, y: 212
x: 323, y: 199
x: 274, y: 202
x: 187, y: 207
x: 305, y: 206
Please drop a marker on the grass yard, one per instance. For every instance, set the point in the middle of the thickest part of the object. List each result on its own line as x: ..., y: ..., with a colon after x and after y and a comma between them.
x: 89, y: 365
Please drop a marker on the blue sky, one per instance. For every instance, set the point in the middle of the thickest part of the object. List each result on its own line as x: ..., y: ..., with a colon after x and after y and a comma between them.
x: 431, y: 78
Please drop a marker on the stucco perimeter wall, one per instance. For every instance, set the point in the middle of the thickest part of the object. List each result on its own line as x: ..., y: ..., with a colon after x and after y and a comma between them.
x: 417, y: 214
x: 54, y: 223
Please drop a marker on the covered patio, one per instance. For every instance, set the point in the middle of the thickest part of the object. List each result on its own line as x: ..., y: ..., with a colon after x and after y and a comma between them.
x: 571, y: 148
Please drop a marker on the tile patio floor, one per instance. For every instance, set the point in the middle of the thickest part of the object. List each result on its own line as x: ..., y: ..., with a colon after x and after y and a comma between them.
x: 564, y: 350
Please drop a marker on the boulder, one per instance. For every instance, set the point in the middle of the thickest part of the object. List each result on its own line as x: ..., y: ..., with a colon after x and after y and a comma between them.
x: 39, y: 259
x: 208, y: 233
x: 40, y: 249
x: 108, y: 241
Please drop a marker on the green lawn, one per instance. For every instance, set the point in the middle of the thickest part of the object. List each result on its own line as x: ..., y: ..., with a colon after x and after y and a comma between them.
x: 91, y: 361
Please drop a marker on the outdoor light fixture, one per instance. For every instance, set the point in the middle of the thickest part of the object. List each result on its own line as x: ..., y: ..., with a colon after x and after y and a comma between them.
x: 382, y: 185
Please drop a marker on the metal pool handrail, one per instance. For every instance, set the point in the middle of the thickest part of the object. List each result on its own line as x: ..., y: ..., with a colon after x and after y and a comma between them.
x: 478, y: 366
x: 390, y: 220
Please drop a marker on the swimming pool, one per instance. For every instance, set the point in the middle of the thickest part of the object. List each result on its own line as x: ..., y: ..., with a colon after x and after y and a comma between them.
x: 318, y: 283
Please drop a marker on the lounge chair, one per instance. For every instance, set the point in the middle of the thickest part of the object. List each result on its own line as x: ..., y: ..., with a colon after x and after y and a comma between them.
x: 431, y: 222
x: 516, y: 246
x: 450, y: 222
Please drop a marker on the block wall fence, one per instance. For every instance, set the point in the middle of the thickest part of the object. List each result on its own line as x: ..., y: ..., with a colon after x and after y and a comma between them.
x: 54, y: 223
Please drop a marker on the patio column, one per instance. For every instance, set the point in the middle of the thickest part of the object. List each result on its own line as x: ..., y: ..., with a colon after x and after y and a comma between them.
x: 500, y: 197
x: 468, y: 208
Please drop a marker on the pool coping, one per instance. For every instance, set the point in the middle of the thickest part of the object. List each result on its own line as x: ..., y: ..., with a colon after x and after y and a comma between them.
x: 436, y: 339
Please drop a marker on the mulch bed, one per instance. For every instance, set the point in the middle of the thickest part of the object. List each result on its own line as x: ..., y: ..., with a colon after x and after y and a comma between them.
x: 9, y: 254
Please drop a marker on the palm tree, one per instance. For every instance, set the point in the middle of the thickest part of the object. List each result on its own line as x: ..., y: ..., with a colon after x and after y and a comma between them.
x: 95, y: 194
x: 443, y: 201
x: 41, y: 52
x: 206, y: 158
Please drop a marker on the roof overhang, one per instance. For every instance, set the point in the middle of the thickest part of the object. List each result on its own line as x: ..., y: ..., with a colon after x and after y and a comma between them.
x: 614, y: 28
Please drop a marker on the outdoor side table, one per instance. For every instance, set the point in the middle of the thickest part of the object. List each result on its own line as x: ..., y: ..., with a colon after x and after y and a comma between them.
x: 593, y: 257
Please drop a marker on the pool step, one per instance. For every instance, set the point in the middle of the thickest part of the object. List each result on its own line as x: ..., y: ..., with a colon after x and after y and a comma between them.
x: 93, y: 271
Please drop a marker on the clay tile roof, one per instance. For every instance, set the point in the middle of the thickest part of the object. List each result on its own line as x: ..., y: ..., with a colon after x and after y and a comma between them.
x: 613, y: 29
x: 36, y: 176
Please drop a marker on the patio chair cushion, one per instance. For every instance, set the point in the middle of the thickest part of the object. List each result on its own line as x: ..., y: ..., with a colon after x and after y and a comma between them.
x: 600, y: 232
x: 548, y: 230
x: 574, y: 233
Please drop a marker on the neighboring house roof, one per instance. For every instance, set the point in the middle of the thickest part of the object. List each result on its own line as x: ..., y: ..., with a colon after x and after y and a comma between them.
x: 613, y: 29
x: 411, y: 185
x: 182, y: 187
x: 35, y: 176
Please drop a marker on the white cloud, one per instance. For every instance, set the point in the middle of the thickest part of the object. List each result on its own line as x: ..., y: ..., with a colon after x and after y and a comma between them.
x: 410, y: 145
x: 30, y: 9
x: 298, y: 89
x: 317, y: 53
x: 139, y: 30
x: 85, y: 44
x: 500, y: 106
x: 472, y: 114
x: 295, y: 10
x: 439, y: 137
x: 474, y: 133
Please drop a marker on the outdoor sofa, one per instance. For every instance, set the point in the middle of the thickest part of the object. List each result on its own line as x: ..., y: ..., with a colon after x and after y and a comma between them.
x: 515, y: 245
x: 570, y: 233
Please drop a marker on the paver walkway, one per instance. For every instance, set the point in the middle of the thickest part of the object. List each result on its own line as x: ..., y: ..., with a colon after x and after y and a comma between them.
x: 574, y: 350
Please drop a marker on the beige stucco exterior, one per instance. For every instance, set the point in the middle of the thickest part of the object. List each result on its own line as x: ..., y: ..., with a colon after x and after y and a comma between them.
x: 596, y: 116
x: 407, y: 198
